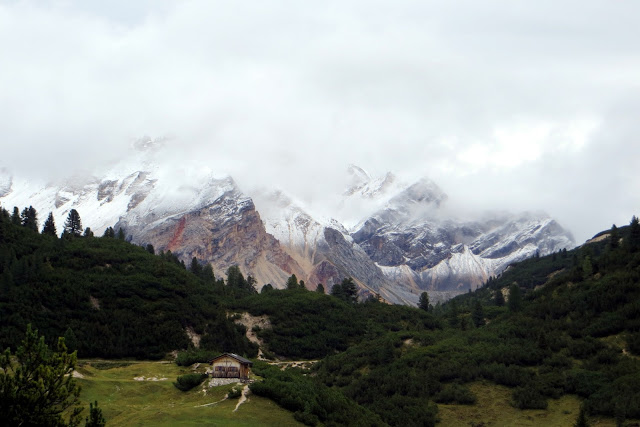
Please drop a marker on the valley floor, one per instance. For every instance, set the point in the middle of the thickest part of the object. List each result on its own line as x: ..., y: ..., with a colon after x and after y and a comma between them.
x: 142, y: 393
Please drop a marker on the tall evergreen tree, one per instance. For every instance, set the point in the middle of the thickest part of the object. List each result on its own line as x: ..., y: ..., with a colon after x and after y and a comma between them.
x: 50, y: 226
x: 109, y: 232
x: 292, y: 282
x: 95, y: 418
x: 195, y: 267
x: 614, y: 237
x: 15, y: 218
x: 73, y: 224
x: 346, y: 290
x: 320, y: 288
x: 29, y: 218
x: 423, y: 303
x: 499, y: 298
x: 350, y: 290
x: 36, y: 385
x: 207, y: 274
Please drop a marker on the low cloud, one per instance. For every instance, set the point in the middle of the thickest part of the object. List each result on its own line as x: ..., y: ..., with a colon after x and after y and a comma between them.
x: 505, y: 105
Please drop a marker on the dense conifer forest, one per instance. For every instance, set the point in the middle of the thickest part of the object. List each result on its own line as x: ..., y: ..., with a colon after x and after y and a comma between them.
x: 566, y: 323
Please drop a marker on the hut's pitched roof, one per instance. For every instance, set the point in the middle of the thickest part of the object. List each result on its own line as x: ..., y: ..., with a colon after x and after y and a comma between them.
x: 234, y: 356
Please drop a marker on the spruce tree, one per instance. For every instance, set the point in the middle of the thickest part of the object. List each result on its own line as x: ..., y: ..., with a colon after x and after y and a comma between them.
x: 207, y: 274
x: 195, y: 267
x: 73, y: 225
x: 95, y: 418
x: 614, y: 237
x: 50, y: 226
x: 350, y: 290
x: 29, y: 218
x: 36, y: 385
x: 499, y: 298
x: 15, y: 218
x: 292, y: 282
x: 423, y: 303
x: 320, y: 288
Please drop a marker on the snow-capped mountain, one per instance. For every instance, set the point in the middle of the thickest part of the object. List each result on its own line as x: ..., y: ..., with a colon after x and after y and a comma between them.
x: 394, y: 239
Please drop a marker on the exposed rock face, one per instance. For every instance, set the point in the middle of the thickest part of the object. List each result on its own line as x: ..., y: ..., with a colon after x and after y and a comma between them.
x: 404, y: 243
x: 225, y: 231
x: 417, y: 246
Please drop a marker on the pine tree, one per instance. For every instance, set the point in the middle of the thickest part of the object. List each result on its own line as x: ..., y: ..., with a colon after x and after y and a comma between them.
x: 499, y: 298
x: 29, y: 218
x: 266, y: 288
x: 109, y: 232
x: 50, y: 226
x: 195, y: 267
x: 15, y: 218
x: 207, y: 274
x: 292, y: 282
x: 36, y: 385
x: 150, y: 249
x: 88, y: 232
x: 350, y: 290
x: 614, y: 237
x: 423, y: 303
x: 302, y: 285
x: 320, y: 288
x: 95, y: 418
x: 346, y: 290
x: 73, y: 225
x: 121, y: 235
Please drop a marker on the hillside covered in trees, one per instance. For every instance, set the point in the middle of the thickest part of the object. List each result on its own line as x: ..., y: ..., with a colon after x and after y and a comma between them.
x: 567, y: 323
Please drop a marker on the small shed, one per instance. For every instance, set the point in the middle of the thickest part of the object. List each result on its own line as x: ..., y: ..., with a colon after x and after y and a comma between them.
x: 230, y: 365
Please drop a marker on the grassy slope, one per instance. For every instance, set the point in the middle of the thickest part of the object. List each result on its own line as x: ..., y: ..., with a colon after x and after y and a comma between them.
x: 493, y: 409
x: 125, y: 401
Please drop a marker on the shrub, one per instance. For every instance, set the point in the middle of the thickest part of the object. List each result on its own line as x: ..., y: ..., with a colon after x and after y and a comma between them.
x: 528, y: 397
x: 455, y: 393
x: 189, y: 357
x: 189, y: 381
x: 234, y: 393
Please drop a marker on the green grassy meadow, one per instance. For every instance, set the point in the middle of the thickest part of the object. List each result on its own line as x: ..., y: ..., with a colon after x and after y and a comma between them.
x: 493, y: 409
x: 126, y: 401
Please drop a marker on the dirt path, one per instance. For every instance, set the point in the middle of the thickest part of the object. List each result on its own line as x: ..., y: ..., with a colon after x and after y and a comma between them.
x: 243, y: 397
x: 305, y: 364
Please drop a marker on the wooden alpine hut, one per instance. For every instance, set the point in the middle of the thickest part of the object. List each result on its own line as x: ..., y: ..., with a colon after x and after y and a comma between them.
x: 230, y: 365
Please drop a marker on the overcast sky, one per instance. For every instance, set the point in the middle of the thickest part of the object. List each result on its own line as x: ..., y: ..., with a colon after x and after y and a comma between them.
x: 505, y: 104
